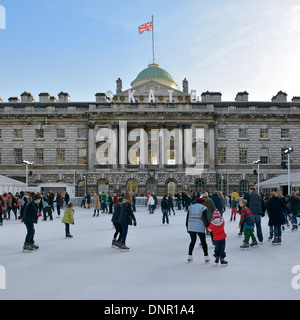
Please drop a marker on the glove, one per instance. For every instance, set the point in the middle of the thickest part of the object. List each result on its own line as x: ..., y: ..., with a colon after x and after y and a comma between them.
x: 134, y: 223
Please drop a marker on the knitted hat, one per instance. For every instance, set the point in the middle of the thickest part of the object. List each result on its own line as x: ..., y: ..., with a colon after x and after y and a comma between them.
x: 216, y: 214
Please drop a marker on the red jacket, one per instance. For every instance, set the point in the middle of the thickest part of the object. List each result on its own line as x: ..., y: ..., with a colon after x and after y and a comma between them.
x: 217, y: 227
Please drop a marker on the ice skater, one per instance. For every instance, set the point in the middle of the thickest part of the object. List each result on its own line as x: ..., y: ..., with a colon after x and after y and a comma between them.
x: 217, y: 226
x: 196, y: 222
x: 115, y: 220
x: 30, y: 218
x: 68, y: 218
x: 247, y: 220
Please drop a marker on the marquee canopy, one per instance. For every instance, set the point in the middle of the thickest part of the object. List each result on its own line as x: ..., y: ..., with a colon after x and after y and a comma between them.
x: 282, y: 180
x: 11, y: 185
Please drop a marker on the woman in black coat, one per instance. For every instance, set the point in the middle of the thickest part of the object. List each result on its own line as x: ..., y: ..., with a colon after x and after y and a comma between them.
x: 30, y: 217
x: 276, y: 209
x: 125, y: 219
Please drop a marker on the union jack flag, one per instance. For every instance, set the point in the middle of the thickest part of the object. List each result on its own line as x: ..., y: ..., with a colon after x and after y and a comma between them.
x: 146, y: 27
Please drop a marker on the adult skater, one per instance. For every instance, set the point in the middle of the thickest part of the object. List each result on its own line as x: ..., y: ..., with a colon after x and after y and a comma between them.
x: 256, y: 205
x: 115, y: 220
x: 96, y: 202
x: 126, y: 217
x: 275, y: 208
x: 165, y: 209
x: 196, y: 222
x: 30, y: 218
x: 293, y: 205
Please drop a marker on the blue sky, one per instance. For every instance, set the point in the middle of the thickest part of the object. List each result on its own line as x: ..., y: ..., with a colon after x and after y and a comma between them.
x: 82, y: 47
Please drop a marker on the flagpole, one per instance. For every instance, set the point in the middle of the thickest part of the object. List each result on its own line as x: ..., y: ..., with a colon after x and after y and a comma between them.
x: 153, y: 39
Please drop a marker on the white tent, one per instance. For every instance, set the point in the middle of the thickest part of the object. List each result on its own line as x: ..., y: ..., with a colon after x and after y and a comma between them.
x: 282, y: 180
x: 11, y: 185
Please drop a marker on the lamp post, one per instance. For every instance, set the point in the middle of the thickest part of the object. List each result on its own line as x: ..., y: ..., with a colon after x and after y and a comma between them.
x: 258, y: 163
x: 288, y: 152
x: 27, y: 163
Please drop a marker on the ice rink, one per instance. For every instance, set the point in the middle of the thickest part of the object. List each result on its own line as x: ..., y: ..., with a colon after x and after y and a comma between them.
x: 156, y: 268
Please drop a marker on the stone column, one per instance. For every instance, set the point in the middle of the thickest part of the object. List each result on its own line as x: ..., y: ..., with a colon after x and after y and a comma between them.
x: 162, y: 146
x: 123, y: 144
x: 92, y: 146
x: 179, y: 145
x: 188, y: 144
x: 143, y: 145
x: 115, y: 144
x: 211, y: 145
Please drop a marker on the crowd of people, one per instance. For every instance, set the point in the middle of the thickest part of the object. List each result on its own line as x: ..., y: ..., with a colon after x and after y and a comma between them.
x: 204, y: 215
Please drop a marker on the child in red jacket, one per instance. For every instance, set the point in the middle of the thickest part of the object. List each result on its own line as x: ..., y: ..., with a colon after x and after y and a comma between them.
x: 217, y: 227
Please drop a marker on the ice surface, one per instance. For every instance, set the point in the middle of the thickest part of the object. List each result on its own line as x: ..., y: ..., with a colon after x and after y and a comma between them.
x: 87, y: 267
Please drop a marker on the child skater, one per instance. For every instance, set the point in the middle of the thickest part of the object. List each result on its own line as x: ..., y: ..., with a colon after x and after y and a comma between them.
x: 217, y: 227
x: 234, y: 205
x: 68, y: 218
x: 247, y: 219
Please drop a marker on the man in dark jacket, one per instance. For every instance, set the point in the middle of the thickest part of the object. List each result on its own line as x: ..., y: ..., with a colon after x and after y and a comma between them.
x: 30, y: 217
x: 256, y: 205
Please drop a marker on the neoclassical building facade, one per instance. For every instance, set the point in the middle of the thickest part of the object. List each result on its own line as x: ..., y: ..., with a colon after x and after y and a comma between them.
x: 151, y: 137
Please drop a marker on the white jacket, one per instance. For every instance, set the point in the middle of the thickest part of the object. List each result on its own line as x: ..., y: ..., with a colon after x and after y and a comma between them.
x: 151, y: 201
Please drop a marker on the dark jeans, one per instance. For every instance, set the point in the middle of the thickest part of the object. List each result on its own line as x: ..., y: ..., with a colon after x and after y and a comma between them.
x: 118, y: 229
x: 257, y: 220
x: 165, y: 217
x: 220, y: 248
x: 123, y: 234
x: 30, y: 232
x: 67, y: 228
x: 193, y: 236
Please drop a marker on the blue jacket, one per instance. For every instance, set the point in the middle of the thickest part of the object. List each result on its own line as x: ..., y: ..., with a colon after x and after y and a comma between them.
x: 256, y: 204
x: 31, y: 213
x: 126, y: 214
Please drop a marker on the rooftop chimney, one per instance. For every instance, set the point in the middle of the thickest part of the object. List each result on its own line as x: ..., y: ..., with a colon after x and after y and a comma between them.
x: 13, y: 99
x: 100, y: 97
x: 242, y: 96
x: 44, y: 97
x: 211, y: 96
x: 63, y: 97
x: 27, y: 97
x: 280, y: 97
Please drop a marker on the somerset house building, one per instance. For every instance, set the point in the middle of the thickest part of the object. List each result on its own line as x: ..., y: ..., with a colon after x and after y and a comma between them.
x: 154, y: 136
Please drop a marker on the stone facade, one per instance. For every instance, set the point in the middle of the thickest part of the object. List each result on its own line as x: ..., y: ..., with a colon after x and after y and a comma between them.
x: 64, y: 140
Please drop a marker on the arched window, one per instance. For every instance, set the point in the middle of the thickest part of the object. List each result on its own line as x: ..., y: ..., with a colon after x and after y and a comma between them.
x: 132, y: 186
x: 244, y: 187
x: 171, y: 187
x: 200, y: 186
x: 103, y: 186
x: 151, y: 186
x: 80, y: 189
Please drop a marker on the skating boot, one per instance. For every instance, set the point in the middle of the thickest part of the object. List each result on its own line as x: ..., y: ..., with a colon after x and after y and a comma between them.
x: 245, y: 246
x: 27, y: 247
x: 223, y: 262
x: 190, y: 258
x: 254, y: 244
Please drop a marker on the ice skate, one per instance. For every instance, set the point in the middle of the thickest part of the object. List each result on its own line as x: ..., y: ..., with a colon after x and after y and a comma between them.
x: 245, y: 246
x: 27, y: 247
x: 123, y: 247
x: 224, y: 263
x: 190, y: 258
x: 254, y: 244
x: 115, y: 244
x: 33, y: 246
x: 206, y: 259
x: 276, y: 241
x: 68, y: 235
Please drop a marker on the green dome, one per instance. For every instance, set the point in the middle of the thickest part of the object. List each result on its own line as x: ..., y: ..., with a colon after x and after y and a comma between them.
x: 154, y: 72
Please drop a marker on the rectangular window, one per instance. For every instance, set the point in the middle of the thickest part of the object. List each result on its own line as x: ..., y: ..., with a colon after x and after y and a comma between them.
x: 243, y: 154
x: 81, y: 134
x: 82, y: 156
x: 264, y: 156
x: 39, y: 156
x: 221, y: 156
x: 243, y: 133
x: 264, y: 133
x: 285, y: 133
x: 0, y: 157
x: 39, y: 133
x: 60, y: 156
x: 18, y: 156
x: 18, y: 133
x: 221, y: 133
x: 60, y: 133
x: 0, y: 133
